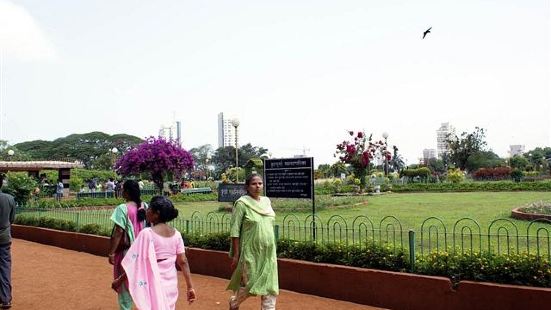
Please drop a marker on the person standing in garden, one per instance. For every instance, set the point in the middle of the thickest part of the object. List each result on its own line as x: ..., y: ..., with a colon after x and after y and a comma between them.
x: 59, y: 190
x: 7, y: 216
x: 253, y: 248
x: 129, y: 220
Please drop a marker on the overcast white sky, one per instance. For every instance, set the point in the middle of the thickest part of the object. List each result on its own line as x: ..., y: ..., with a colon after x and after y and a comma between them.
x: 298, y: 74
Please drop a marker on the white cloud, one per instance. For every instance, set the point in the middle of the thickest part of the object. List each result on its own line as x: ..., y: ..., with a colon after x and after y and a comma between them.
x: 20, y: 35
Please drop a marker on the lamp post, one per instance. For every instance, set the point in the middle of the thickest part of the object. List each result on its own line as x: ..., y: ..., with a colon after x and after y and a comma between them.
x: 10, y: 154
x: 385, y: 135
x: 114, y: 151
x: 235, y: 124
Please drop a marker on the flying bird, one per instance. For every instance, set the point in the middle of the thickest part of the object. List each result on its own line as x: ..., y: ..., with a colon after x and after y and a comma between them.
x: 426, y: 32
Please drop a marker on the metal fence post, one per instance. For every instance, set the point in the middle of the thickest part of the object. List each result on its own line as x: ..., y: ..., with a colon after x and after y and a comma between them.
x: 276, y: 232
x: 411, y: 236
x: 187, y: 226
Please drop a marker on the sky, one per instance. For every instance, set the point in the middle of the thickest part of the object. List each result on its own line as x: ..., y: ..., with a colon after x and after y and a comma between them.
x: 298, y: 74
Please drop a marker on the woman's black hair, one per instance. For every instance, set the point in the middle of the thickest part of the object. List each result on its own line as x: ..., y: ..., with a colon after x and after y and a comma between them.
x: 164, y: 207
x: 132, y: 189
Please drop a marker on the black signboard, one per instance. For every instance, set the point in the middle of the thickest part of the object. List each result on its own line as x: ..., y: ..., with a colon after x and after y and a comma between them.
x: 289, y: 177
x: 230, y: 192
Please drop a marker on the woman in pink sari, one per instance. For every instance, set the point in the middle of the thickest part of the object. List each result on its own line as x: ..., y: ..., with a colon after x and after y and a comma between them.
x: 129, y: 221
x: 150, y: 263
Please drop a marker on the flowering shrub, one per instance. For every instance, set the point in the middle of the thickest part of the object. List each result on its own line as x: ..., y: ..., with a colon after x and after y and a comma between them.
x: 456, y: 175
x: 20, y: 186
x: 156, y: 156
x: 359, y: 152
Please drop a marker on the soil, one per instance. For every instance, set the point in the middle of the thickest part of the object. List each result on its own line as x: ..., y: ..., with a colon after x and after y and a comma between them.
x: 46, y: 277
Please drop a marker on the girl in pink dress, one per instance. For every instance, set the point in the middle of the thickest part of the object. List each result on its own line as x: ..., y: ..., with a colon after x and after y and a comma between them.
x: 150, y: 263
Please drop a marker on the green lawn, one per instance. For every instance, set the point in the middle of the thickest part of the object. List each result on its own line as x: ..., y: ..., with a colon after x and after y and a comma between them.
x: 411, y: 208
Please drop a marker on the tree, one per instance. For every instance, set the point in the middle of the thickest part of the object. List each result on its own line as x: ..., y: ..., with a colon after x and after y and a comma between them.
x: 396, y: 162
x: 338, y: 168
x: 324, y: 171
x: 483, y: 159
x: 17, y: 154
x: 460, y: 148
x: 538, y: 158
x: 159, y: 157
x: 224, y: 157
x: 518, y: 162
x: 86, y: 148
x: 437, y: 166
x: 201, y: 157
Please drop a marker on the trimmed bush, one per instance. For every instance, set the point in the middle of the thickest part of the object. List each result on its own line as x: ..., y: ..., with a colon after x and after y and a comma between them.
x: 518, y: 269
x: 46, y: 222
x: 93, y: 229
x: 497, y: 186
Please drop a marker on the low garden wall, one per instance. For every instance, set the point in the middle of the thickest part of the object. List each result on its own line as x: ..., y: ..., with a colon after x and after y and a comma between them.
x: 519, y: 215
x: 385, y: 289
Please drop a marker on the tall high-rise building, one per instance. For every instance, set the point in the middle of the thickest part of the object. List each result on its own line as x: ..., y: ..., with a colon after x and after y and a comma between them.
x: 428, y: 154
x: 172, y: 131
x: 226, y: 131
x: 441, y: 138
x: 516, y: 150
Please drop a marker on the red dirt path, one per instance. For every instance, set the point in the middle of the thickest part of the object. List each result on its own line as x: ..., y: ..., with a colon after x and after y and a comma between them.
x: 45, y: 277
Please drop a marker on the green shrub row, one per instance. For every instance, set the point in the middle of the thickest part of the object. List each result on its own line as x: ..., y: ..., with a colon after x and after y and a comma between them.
x: 518, y: 269
x: 95, y: 202
x: 329, y: 188
x: 368, y: 256
x: 73, y: 203
x: 194, y: 197
x: 59, y: 224
x: 504, y: 186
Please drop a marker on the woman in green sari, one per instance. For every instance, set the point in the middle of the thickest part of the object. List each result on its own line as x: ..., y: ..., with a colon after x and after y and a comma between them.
x: 253, y: 248
x: 129, y: 220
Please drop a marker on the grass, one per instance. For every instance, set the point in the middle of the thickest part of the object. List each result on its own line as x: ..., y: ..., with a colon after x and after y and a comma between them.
x: 410, y: 208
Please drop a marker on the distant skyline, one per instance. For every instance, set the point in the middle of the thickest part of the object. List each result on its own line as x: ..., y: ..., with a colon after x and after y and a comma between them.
x: 297, y: 74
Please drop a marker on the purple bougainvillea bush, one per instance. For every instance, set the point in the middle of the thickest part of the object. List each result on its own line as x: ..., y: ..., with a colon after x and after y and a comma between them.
x: 158, y: 157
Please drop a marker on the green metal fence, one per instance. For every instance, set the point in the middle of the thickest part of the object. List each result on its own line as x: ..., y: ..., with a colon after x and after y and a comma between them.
x: 466, y: 235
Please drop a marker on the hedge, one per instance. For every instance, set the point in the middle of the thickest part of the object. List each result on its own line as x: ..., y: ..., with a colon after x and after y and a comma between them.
x: 497, y: 186
x: 94, y: 202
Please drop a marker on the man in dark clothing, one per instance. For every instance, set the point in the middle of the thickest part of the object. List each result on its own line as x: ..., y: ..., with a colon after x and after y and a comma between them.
x: 7, y: 216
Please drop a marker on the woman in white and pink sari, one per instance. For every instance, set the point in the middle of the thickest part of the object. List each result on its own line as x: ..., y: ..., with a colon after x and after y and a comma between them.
x: 150, y: 263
